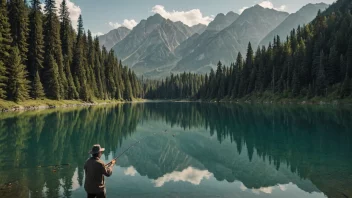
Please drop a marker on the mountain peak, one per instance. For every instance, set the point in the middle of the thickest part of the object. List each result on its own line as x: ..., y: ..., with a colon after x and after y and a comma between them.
x: 222, y: 21
x: 155, y: 18
x: 229, y: 14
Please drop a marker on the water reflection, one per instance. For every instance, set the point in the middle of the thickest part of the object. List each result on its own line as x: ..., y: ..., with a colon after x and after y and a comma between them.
x: 190, y: 174
x: 265, y: 150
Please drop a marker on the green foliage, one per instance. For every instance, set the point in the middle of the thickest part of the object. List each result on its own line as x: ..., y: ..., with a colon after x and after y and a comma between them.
x: 312, y: 62
x: 36, y: 46
x: 321, y: 78
x: 61, y: 64
x: 37, y: 91
x: 51, y: 76
x: 3, y: 79
x: 5, y: 35
x: 18, y: 85
x: 19, y: 26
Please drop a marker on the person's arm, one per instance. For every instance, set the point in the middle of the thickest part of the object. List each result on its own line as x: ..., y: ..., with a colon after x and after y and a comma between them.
x: 85, y: 168
x: 107, y: 170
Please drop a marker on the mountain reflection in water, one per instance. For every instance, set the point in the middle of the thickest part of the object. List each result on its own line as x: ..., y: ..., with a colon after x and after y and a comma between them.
x: 223, y: 150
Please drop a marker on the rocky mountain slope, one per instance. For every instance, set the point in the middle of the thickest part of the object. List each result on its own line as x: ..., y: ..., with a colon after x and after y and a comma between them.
x: 305, y: 15
x: 252, y: 26
x: 110, y: 39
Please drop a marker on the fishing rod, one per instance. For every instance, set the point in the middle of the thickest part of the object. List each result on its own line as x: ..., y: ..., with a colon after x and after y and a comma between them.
x: 131, y: 146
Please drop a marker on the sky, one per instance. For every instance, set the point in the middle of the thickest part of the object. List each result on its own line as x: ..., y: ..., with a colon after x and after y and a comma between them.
x: 101, y: 16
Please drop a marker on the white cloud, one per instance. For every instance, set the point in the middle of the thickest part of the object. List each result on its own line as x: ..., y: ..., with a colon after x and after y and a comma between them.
x: 130, y: 24
x: 242, y: 9
x: 283, y: 187
x: 73, y: 9
x: 266, y: 190
x: 190, y: 174
x: 131, y: 171
x: 270, y: 5
x: 243, y: 187
x: 114, y: 25
x: 94, y: 34
x: 266, y: 4
x: 190, y: 17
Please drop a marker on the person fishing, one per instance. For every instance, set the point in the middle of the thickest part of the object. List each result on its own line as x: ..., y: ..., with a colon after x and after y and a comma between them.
x: 95, y: 170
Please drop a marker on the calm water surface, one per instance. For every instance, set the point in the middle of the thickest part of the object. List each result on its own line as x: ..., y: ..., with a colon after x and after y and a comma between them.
x: 209, y: 150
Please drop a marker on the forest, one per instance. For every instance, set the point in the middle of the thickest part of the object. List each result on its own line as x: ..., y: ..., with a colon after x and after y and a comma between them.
x: 315, y: 60
x: 43, y: 56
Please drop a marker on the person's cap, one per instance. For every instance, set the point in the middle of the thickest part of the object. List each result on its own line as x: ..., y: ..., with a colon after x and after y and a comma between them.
x: 96, y: 149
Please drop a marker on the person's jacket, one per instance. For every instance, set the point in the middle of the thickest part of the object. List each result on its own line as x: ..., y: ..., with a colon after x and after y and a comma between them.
x: 95, y: 171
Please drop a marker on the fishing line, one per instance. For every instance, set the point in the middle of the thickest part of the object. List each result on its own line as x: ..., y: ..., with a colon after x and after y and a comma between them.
x: 131, y: 146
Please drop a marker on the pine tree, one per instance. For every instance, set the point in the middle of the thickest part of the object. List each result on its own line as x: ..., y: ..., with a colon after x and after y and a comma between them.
x: 332, y: 69
x: 346, y: 87
x: 97, y: 68
x: 19, y: 26
x: 18, y: 85
x: 5, y: 47
x: 247, y: 69
x: 237, y: 72
x: 36, y: 46
x: 52, y: 55
x: 128, y: 94
x: 66, y: 36
x: 65, y: 30
x: 51, y: 74
x: 78, y: 63
x: 295, y: 83
x: 321, y: 78
x: 3, y: 78
x: 349, y: 58
x: 37, y: 91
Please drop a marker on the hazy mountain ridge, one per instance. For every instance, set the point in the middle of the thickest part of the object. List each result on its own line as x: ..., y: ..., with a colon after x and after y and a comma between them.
x: 303, y: 16
x: 152, y: 42
x: 251, y: 26
x: 110, y: 39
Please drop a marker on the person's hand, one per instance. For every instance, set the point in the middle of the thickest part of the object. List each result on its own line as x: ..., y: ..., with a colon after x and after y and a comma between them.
x: 113, y: 162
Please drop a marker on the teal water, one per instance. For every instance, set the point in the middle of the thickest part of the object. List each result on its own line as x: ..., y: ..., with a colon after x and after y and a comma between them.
x: 209, y: 150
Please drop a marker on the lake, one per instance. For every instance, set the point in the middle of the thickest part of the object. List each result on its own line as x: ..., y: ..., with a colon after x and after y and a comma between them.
x: 208, y: 150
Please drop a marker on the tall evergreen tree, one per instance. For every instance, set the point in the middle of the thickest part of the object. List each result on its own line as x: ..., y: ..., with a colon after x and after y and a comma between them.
x: 321, y: 77
x: 332, y: 69
x: 37, y: 91
x: 18, y: 85
x: 67, y: 45
x: 78, y: 62
x: 246, y: 71
x: 237, y: 72
x: 52, y: 56
x: 36, y: 46
x: 5, y: 47
x: 3, y: 79
x: 19, y: 26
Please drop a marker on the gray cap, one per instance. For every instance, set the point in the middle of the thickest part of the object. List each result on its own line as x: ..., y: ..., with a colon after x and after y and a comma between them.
x: 96, y: 149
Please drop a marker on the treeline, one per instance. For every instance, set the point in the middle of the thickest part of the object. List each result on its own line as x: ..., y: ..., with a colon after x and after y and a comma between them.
x: 314, y: 60
x: 42, y: 55
x: 184, y: 85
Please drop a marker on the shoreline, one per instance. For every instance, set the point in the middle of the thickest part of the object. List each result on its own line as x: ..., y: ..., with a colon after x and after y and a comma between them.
x: 335, y: 102
x: 31, y: 105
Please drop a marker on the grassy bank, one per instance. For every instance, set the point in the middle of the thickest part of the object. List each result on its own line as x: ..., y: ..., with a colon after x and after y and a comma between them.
x: 266, y: 98
x: 49, y: 104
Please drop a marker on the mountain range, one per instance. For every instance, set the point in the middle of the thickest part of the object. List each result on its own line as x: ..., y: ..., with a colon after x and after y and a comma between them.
x: 158, y: 46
